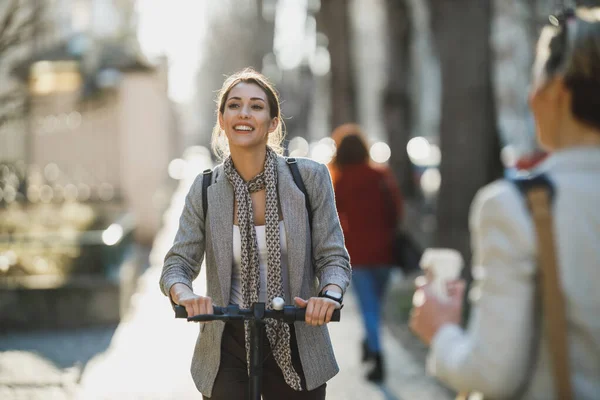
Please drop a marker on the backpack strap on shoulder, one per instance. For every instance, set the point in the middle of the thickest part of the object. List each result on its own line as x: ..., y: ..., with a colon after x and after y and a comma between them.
x: 293, y: 164
x: 540, y: 193
x: 206, y: 181
x: 528, y: 182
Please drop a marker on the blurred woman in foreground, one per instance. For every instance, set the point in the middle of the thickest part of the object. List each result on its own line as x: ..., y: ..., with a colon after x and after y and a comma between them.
x: 496, y: 355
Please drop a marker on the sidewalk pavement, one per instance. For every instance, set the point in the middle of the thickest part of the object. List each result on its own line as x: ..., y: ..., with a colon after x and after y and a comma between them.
x: 147, y: 356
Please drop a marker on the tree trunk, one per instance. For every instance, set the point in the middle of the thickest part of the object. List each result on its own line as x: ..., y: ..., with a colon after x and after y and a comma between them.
x: 468, y: 135
x: 397, y: 104
x: 333, y: 20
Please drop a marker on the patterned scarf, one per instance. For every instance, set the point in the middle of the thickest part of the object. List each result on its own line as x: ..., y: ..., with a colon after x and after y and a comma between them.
x: 278, y: 332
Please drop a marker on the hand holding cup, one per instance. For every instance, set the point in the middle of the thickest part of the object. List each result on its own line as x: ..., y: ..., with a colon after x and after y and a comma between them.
x: 442, y: 266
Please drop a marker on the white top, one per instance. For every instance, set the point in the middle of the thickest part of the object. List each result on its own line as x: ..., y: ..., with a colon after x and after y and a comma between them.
x: 236, y: 274
x: 492, y: 355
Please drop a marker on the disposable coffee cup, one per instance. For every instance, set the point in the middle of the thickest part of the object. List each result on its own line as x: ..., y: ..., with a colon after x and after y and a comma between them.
x: 444, y: 265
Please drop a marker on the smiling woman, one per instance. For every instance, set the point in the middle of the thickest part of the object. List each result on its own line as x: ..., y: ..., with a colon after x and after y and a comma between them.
x: 246, y: 118
x: 248, y: 102
x: 258, y: 242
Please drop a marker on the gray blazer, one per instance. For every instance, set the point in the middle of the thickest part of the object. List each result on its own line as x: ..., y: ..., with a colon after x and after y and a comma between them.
x: 329, y: 264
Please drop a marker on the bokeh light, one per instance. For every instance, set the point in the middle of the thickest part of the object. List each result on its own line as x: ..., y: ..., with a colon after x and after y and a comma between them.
x: 112, y: 234
x: 70, y: 192
x: 177, y: 168
x: 74, y: 120
x: 320, y: 61
x: 4, y: 263
x: 423, y: 153
x: 418, y: 149
x: 10, y: 194
x: 46, y: 194
x: 84, y: 192
x: 323, y: 151
x: 298, y: 147
x: 51, y: 172
x: 431, y: 180
x: 380, y: 152
x: 33, y: 193
x: 106, y: 191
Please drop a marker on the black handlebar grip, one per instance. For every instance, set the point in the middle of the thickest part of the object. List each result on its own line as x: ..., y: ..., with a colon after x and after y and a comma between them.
x: 301, y: 315
x: 180, y: 311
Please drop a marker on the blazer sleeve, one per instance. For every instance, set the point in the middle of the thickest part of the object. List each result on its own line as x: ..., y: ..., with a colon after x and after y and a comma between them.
x: 182, y: 262
x: 331, y: 259
x: 492, y: 355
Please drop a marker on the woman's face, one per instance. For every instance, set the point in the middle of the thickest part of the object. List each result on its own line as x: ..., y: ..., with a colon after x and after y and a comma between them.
x: 246, y: 117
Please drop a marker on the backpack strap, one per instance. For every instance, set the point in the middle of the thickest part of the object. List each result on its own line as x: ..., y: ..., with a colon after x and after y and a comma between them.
x: 206, y: 181
x: 293, y: 164
x: 539, y: 192
x: 528, y: 182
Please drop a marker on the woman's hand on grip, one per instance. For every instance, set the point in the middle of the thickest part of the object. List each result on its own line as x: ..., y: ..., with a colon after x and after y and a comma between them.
x: 318, y: 309
x: 193, y: 303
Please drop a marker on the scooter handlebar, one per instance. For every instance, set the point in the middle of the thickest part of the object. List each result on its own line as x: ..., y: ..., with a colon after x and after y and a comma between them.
x: 288, y: 314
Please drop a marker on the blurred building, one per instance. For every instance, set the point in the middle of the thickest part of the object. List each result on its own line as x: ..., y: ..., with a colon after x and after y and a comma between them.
x: 97, y: 112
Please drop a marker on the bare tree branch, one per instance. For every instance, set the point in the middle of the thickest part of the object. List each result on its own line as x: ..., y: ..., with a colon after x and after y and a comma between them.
x: 11, y: 96
x: 19, y: 21
x: 17, y: 29
x: 8, y: 19
x: 12, y: 41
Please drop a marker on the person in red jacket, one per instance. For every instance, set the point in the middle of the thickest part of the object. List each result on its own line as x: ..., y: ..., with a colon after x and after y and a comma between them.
x: 369, y: 205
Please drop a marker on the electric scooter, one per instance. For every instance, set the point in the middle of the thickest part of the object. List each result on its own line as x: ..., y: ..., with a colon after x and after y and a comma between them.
x: 257, y: 315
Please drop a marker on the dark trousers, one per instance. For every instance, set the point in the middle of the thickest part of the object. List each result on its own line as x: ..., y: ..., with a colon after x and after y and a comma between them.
x: 232, y: 379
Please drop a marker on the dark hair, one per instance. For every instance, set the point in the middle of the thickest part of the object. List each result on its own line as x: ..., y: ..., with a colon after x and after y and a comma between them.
x: 219, y: 143
x: 574, y: 52
x: 351, y: 150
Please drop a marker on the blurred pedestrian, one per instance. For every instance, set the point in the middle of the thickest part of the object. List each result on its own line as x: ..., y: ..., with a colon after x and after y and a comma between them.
x: 337, y: 135
x: 369, y: 204
x: 505, y: 353
x: 258, y: 245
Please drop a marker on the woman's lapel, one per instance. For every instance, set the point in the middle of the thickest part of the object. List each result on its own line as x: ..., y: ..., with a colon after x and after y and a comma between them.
x: 295, y: 221
x: 220, y: 216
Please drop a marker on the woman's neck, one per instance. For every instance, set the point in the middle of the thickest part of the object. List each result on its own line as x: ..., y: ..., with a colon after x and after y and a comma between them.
x: 249, y: 162
x: 577, y: 134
